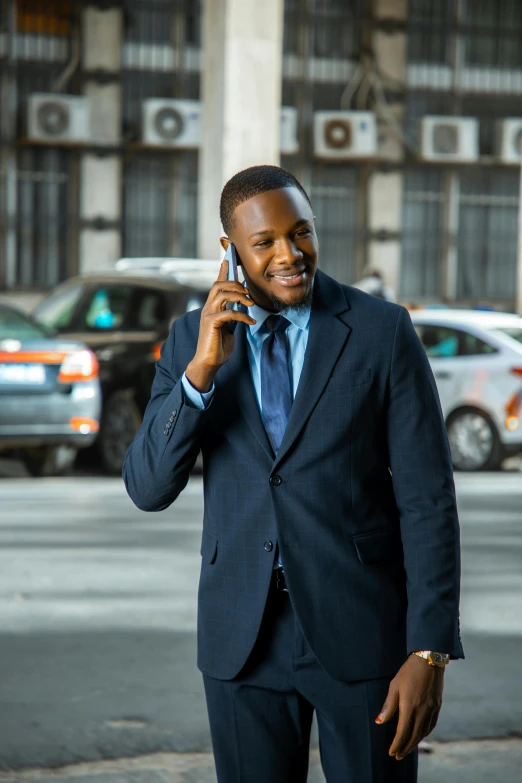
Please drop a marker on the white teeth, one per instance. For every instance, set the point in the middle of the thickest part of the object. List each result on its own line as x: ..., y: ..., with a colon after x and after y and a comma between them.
x: 288, y: 277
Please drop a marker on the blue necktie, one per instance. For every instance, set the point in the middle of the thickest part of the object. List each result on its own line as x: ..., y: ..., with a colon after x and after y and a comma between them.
x: 276, y: 386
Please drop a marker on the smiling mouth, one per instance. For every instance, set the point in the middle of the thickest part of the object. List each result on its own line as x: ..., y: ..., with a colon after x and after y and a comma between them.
x: 295, y: 279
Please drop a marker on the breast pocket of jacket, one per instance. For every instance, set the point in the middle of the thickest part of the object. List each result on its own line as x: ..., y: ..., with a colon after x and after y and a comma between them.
x: 344, y: 382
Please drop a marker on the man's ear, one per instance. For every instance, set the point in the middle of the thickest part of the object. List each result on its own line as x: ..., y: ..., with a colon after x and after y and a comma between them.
x: 225, y: 242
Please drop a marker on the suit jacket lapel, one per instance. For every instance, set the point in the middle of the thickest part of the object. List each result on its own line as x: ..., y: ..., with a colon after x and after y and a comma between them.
x: 326, y: 339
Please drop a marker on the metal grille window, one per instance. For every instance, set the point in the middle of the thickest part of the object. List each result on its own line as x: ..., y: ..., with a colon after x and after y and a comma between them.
x: 43, y: 228
x: 321, y: 41
x: 334, y: 28
x: 39, y: 52
x: 162, y: 35
x: 488, y: 234
x: 160, y: 205
x: 492, y: 33
x: 43, y: 30
x: 326, y: 28
x: 160, y: 60
x: 332, y: 193
x: 429, y: 31
x: 422, y: 234
x: 149, y: 22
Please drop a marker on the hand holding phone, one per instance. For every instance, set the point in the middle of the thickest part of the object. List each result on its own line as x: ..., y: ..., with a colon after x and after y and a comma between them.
x: 231, y: 257
x: 216, y: 328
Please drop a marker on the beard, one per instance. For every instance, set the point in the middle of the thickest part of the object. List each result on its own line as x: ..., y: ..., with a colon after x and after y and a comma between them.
x: 279, y: 305
x: 303, y: 304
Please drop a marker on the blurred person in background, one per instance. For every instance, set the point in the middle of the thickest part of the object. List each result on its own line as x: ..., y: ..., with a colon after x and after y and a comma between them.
x: 330, y: 545
x: 372, y: 282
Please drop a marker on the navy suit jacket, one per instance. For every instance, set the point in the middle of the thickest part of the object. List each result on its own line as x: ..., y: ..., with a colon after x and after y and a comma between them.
x: 360, y: 497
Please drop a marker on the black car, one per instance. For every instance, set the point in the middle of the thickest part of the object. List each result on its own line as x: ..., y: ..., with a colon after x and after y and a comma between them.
x: 124, y: 319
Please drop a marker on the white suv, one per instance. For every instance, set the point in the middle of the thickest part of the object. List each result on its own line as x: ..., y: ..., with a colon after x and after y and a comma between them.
x: 476, y: 357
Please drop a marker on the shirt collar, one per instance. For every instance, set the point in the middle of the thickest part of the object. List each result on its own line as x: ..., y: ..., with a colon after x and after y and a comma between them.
x: 299, y: 318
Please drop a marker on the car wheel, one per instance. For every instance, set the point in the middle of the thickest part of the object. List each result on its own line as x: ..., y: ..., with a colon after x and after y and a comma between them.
x: 474, y: 441
x: 119, y: 424
x: 49, y: 460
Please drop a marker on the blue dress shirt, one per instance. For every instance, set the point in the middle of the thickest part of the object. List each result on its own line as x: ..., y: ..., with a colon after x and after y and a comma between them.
x: 297, y: 334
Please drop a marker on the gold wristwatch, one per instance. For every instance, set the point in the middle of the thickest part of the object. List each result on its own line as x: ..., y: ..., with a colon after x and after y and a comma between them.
x: 438, y: 659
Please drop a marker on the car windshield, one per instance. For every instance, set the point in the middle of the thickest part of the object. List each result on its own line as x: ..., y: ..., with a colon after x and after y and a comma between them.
x: 57, y: 309
x: 513, y: 332
x: 17, y: 326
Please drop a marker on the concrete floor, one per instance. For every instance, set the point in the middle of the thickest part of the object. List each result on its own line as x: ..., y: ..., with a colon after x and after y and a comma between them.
x: 97, y: 636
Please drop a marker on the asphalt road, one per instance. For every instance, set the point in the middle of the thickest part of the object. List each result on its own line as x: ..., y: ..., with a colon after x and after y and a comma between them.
x: 97, y: 621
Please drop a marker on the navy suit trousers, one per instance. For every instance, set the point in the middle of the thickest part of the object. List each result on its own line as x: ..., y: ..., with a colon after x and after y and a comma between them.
x: 260, y: 721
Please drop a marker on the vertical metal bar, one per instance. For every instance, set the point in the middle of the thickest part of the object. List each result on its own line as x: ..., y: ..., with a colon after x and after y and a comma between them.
x: 518, y: 305
x: 25, y: 218
x: 451, y: 233
x: 52, y: 212
x: 8, y: 157
x: 73, y: 206
x: 452, y: 177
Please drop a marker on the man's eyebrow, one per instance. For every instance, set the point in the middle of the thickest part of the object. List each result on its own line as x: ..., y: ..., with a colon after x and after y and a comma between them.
x: 268, y: 231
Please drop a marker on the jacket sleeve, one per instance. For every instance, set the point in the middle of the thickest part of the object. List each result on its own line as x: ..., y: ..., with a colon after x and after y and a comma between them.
x: 158, y: 462
x: 422, y: 475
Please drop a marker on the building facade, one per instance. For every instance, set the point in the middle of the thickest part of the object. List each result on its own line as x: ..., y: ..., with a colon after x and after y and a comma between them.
x: 440, y: 230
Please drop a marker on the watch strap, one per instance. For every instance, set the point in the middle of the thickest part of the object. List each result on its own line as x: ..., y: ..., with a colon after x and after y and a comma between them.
x: 437, y: 659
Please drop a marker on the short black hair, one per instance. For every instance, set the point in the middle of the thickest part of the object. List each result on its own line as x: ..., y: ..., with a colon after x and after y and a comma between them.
x: 249, y: 183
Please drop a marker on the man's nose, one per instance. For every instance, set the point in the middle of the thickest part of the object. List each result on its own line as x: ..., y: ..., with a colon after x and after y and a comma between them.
x: 288, y: 252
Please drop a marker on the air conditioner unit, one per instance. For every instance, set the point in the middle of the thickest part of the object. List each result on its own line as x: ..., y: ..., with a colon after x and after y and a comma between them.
x: 344, y: 135
x: 288, y: 141
x: 172, y: 123
x: 508, y: 140
x: 56, y: 118
x: 449, y: 139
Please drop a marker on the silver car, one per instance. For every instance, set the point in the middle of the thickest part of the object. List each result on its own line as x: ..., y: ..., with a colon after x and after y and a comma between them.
x: 50, y: 398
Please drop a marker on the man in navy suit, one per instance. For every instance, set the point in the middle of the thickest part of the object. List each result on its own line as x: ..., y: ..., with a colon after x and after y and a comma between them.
x: 330, y: 546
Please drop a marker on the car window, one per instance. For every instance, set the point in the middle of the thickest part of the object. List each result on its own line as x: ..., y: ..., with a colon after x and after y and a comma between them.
x: 56, y: 310
x: 16, y: 326
x: 106, y: 308
x: 185, y: 300
x: 513, y: 332
x: 474, y: 346
x: 148, y: 310
x: 439, y: 341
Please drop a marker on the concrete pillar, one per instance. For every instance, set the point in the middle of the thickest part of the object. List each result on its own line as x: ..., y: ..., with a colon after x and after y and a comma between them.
x: 100, y: 173
x: 385, y: 188
x: 241, y: 94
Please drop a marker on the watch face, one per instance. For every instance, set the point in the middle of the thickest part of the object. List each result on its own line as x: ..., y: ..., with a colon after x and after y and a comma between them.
x: 439, y: 657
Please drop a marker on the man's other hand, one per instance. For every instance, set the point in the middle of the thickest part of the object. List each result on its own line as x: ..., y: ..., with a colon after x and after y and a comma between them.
x: 416, y: 691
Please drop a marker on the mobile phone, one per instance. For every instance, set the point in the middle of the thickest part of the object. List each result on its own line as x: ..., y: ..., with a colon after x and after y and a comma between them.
x: 231, y: 257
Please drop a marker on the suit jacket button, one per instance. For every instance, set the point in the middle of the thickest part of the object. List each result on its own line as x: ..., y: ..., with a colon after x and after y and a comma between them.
x: 268, y: 546
x: 174, y: 412
x: 165, y: 431
x: 276, y: 481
